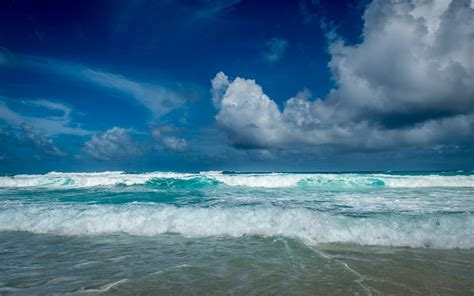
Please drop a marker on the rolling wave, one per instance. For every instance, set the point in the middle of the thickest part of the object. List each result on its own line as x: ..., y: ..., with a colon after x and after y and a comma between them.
x: 434, y: 231
x: 165, y: 180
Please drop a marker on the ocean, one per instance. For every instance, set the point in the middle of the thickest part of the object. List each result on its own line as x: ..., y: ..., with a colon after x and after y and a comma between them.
x: 230, y: 233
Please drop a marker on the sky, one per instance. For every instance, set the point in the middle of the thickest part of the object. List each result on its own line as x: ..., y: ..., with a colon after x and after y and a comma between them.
x: 308, y: 85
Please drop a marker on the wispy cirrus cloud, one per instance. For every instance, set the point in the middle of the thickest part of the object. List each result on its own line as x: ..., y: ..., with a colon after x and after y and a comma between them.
x: 275, y: 49
x: 308, y: 9
x: 50, y: 119
x: 50, y: 124
x: 158, y: 98
x: 210, y: 9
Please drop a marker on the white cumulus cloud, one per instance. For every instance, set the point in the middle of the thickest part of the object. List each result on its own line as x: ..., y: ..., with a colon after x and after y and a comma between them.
x: 174, y: 143
x: 114, y: 144
x: 163, y: 138
x: 410, y: 82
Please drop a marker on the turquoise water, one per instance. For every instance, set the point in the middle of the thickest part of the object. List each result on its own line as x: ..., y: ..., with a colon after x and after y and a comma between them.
x: 237, y: 233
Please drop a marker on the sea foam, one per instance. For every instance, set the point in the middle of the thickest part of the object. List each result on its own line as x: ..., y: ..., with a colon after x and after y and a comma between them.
x: 264, y: 180
x: 312, y: 227
x: 84, y: 180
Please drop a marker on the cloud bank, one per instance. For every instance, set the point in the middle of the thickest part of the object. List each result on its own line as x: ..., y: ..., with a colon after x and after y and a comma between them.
x: 409, y: 83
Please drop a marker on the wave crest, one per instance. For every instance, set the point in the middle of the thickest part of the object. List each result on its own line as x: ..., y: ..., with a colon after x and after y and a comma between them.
x: 437, y: 231
x: 206, y: 179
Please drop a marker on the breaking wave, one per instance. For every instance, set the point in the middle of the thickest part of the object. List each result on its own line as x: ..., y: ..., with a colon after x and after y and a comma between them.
x: 206, y: 179
x: 312, y: 227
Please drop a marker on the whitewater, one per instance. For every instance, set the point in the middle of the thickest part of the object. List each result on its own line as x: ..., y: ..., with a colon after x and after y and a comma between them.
x: 331, y: 220
x: 269, y: 180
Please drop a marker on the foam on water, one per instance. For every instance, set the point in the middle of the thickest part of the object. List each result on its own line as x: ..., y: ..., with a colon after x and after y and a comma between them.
x: 84, y: 180
x: 437, y: 231
x: 267, y: 180
x: 277, y: 180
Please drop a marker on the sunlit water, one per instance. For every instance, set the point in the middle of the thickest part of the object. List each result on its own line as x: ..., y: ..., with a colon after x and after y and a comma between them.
x: 239, y: 234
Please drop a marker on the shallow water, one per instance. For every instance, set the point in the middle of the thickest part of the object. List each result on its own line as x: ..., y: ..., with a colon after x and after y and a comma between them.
x: 239, y: 234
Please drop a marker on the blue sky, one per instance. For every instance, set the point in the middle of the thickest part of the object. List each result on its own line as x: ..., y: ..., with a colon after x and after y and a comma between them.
x: 236, y: 85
